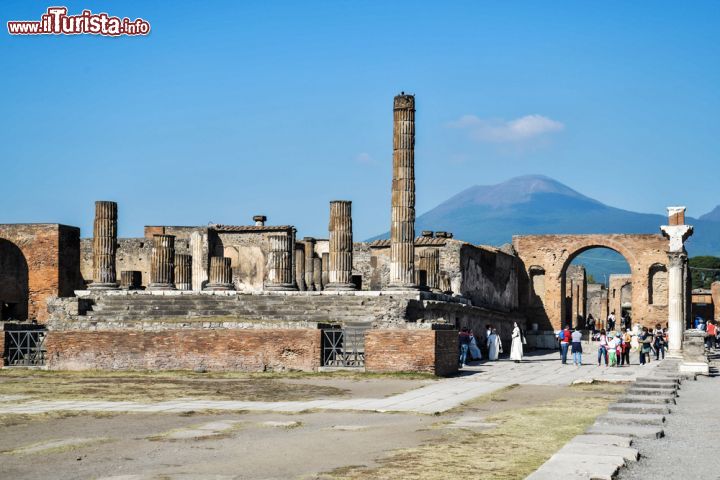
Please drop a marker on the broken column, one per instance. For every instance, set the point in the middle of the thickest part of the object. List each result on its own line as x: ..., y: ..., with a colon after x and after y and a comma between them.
x: 162, y: 263
x: 339, y: 264
x: 199, y: 262
x: 280, y: 274
x: 430, y: 262
x: 402, y: 226
x: 104, y: 246
x: 677, y: 232
x: 300, y: 267
x: 309, y: 254
x: 259, y: 220
x: 130, y: 279
x: 317, y: 274
x: 325, y: 277
x: 183, y: 271
x: 220, y: 274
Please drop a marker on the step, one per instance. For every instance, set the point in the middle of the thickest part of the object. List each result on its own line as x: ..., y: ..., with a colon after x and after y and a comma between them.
x: 576, y: 467
x: 661, y: 380
x: 634, y: 390
x: 627, y: 453
x: 635, y: 431
x: 659, y: 386
x: 645, y: 408
x: 598, y: 440
x: 618, y: 418
x: 646, y: 399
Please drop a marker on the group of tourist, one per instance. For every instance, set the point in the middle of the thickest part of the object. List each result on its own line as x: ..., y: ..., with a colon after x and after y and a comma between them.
x: 594, y: 325
x: 469, y: 350
x: 614, y: 347
x: 712, y: 332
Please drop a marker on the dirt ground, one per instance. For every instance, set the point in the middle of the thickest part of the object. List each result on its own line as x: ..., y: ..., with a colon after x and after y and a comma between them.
x: 495, y: 436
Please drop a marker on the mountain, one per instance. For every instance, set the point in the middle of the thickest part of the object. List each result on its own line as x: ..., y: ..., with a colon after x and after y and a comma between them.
x: 535, y: 204
x: 713, y: 216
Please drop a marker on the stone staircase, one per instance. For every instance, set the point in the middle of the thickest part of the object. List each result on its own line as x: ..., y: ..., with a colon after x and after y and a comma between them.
x: 140, y: 311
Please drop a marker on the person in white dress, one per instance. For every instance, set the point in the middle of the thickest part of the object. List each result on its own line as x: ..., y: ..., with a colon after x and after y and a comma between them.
x: 516, y: 349
x: 494, y: 345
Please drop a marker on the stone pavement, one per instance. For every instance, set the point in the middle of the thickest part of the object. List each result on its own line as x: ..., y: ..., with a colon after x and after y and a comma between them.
x: 440, y: 396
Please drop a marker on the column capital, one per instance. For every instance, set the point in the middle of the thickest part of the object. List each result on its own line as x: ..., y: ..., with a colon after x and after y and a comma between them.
x: 677, y: 234
x: 677, y: 259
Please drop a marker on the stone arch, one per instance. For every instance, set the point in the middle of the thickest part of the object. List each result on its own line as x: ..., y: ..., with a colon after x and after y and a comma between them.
x: 14, y: 282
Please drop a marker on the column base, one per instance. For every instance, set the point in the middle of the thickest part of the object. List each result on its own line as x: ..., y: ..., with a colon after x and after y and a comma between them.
x: 103, y: 286
x: 161, y: 286
x: 281, y: 287
x: 219, y: 287
x: 701, y: 368
x: 183, y: 286
x: 396, y: 287
x: 341, y: 287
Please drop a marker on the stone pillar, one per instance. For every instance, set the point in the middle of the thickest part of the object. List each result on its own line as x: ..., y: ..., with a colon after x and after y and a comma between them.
x: 325, y: 277
x: 402, y: 226
x: 280, y: 272
x: 130, y: 279
x: 199, y: 266
x: 300, y: 267
x: 104, y: 246
x: 339, y: 264
x: 220, y: 274
x: 676, y: 322
x: 677, y: 232
x: 309, y: 254
x: 162, y: 263
x: 317, y: 274
x: 430, y: 259
x: 715, y: 292
x: 183, y: 271
x: 259, y: 220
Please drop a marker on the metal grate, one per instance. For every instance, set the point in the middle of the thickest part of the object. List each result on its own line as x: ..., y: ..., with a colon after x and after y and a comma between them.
x: 25, y: 348
x: 343, y: 347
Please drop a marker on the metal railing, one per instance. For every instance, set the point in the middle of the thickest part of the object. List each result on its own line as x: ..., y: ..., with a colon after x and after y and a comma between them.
x: 25, y: 348
x: 343, y: 347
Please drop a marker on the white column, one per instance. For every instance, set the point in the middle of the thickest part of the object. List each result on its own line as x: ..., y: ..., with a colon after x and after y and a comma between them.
x: 676, y: 300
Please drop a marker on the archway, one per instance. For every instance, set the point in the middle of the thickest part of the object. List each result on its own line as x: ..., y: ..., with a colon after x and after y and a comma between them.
x: 14, y: 289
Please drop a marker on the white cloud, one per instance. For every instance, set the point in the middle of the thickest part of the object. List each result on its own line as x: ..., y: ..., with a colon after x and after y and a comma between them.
x: 519, y: 130
x: 364, y: 159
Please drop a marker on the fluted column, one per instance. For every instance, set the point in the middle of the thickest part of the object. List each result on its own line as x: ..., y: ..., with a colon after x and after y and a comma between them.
x: 676, y: 322
x: 300, y: 267
x: 339, y: 265
x: 402, y: 226
x: 325, y: 277
x: 104, y: 246
x: 317, y: 274
x: 431, y: 264
x: 183, y: 271
x: 309, y: 255
x: 280, y: 274
x: 199, y: 262
x: 162, y: 263
x: 130, y: 279
x: 220, y: 274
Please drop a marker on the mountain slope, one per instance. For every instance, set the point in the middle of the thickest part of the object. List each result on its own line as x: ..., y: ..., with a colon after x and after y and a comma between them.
x: 713, y: 216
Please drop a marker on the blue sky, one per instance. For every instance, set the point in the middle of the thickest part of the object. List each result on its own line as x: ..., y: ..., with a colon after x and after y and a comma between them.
x: 230, y: 109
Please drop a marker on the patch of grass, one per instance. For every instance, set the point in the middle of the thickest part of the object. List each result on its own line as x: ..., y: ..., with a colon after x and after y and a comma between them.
x: 12, y: 419
x: 523, y: 440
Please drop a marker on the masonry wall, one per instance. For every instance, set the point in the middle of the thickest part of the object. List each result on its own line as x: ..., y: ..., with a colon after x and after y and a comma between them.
x: 213, y: 350
x: 431, y: 351
x: 43, y: 260
x: 715, y: 292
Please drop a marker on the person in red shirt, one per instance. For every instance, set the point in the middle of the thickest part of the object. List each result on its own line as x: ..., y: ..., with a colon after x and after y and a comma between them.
x: 565, y: 343
x: 711, y: 332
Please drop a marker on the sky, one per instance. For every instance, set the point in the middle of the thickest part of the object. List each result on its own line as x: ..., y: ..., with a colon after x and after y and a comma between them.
x: 231, y: 109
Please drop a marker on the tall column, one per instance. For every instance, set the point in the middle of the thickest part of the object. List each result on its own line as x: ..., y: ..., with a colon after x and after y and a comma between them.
x: 104, y: 246
x: 309, y: 254
x: 339, y: 265
x: 317, y: 274
x: 431, y: 262
x: 183, y: 271
x: 402, y: 226
x: 280, y: 272
x: 162, y: 263
x: 300, y: 267
x: 677, y: 232
x: 220, y: 274
x: 325, y: 277
x: 676, y: 322
x: 199, y: 262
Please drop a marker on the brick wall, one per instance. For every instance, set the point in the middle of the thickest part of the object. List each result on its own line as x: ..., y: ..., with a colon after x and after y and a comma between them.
x: 432, y: 351
x: 715, y: 292
x: 214, y: 350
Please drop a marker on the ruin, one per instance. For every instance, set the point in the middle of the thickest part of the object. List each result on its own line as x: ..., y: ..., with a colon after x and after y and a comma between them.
x: 254, y: 298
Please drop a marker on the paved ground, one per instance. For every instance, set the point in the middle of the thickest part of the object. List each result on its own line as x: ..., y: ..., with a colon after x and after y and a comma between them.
x: 439, y: 396
x: 692, y: 434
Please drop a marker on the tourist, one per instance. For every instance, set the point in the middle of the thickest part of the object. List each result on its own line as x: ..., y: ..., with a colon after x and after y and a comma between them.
x: 591, y: 323
x: 711, y: 332
x: 602, y: 347
x: 627, y: 339
x: 576, y: 338
x: 659, y: 342
x: 701, y: 324
x: 488, y: 331
x: 464, y: 345
x: 645, y: 346
x: 473, y: 349
x: 611, y: 322
x: 516, y: 349
x: 565, y: 339
x: 612, y: 350
x: 494, y: 345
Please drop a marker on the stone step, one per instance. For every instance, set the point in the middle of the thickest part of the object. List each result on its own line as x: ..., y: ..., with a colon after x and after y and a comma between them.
x: 646, y: 399
x: 614, y: 440
x: 634, y: 390
x: 646, y: 408
x: 661, y: 380
x: 660, y: 386
x: 630, y: 430
x: 618, y: 418
x: 627, y: 453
